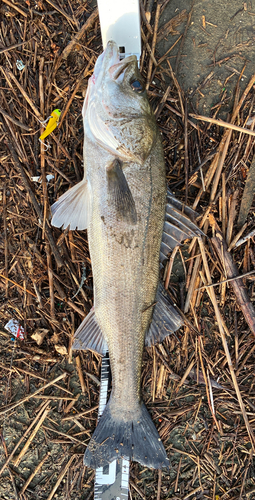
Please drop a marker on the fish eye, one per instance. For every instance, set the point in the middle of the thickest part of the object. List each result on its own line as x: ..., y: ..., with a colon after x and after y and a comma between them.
x: 137, y: 86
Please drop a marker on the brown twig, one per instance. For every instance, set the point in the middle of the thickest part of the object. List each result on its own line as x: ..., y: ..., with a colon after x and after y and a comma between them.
x: 60, y: 477
x: 237, y: 285
x: 32, y: 435
x: 29, y: 396
x: 33, y: 474
x: 153, y: 46
x: 225, y: 345
x: 177, y: 62
x: 75, y: 40
x: 36, y: 205
x: 23, y: 437
x: 221, y: 123
x: 79, y: 370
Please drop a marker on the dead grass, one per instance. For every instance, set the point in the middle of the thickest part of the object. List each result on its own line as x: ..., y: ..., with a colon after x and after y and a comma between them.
x: 199, y: 385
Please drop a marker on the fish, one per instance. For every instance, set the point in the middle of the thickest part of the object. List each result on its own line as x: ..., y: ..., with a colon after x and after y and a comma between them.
x: 123, y: 203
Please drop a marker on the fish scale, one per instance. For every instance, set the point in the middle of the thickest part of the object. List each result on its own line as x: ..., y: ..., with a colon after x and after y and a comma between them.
x: 119, y: 273
x: 122, y: 202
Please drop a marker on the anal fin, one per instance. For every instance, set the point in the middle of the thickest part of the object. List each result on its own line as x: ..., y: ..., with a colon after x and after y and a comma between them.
x: 165, y: 319
x: 89, y: 336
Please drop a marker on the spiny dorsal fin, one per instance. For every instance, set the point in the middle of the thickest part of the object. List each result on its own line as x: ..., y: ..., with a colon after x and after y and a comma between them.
x: 178, y: 226
x: 172, y: 200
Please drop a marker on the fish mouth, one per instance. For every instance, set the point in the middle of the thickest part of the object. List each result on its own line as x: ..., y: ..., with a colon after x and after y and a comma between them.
x: 109, y: 63
x: 117, y: 71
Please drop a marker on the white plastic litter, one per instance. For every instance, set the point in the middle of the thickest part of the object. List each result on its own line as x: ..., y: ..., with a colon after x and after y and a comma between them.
x: 38, y: 178
x: 20, y: 65
x: 15, y: 329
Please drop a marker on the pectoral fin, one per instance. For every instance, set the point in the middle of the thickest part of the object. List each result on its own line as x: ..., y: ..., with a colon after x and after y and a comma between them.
x: 89, y: 335
x: 165, y: 319
x: 119, y: 194
x: 73, y: 207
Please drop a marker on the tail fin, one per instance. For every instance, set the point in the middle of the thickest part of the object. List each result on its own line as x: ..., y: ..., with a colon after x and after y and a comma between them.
x: 135, y: 439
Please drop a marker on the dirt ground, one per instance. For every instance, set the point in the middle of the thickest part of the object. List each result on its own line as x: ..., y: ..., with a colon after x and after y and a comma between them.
x: 193, y: 390
x: 219, y: 43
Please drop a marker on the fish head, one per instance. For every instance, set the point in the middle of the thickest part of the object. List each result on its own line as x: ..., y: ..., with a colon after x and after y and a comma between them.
x: 116, y: 109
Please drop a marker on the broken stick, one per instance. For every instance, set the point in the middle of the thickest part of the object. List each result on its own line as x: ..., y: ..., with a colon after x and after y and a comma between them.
x: 238, y: 284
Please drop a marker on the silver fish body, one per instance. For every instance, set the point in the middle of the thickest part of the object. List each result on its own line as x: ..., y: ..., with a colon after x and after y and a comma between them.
x: 122, y: 202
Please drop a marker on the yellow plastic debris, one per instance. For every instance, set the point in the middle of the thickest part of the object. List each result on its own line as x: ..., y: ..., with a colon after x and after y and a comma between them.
x: 53, y: 123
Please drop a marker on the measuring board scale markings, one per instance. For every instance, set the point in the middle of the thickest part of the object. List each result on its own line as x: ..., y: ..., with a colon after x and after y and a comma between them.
x: 117, y: 473
x: 104, y: 384
x: 111, y: 481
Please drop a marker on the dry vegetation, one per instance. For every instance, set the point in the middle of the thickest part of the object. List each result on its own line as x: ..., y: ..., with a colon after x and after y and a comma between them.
x: 198, y: 385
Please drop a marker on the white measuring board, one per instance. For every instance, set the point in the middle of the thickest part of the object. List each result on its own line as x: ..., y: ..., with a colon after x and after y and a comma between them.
x: 120, y: 21
x: 111, y: 481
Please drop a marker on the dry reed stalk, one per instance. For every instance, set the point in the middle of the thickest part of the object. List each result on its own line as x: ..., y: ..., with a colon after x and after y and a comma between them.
x: 17, y: 369
x: 237, y: 237
x: 31, y: 437
x: 227, y: 136
x: 170, y: 266
x: 178, y: 88
x: 51, y: 283
x: 80, y: 374
x: 231, y: 216
x: 159, y: 483
x: 206, y: 384
x: 192, y: 283
x: 22, y: 401
x: 71, y: 438
x: 71, y: 404
x: 75, y: 40
x: 81, y: 414
x: 238, y: 286
x: 33, y: 474
x: 185, y: 375
x: 15, y: 7
x: 225, y: 345
x: 23, y: 437
x: 60, y: 477
x: 221, y: 123
x: 61, y: 11
x: 83, y: 75
x: 153, y: 45
x: 177, y: 61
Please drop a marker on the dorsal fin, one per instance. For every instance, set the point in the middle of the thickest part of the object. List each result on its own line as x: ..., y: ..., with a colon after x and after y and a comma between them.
x: 178, y: 226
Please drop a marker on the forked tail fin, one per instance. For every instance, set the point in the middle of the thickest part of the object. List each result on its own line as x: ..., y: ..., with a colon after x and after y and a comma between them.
x: 135, y: 439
